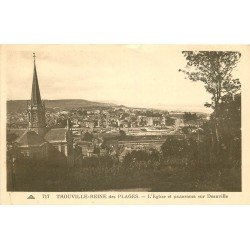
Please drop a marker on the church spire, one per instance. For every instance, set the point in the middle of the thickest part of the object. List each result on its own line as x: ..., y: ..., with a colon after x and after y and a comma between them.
x: 36, y: 108
x: 35, y: 94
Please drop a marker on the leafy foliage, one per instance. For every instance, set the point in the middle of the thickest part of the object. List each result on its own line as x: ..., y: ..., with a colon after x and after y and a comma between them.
x: 188, y: 116
x: 214, y: 69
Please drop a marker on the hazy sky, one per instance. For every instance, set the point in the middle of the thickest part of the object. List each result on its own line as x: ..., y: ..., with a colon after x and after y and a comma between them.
x: 133, y: 75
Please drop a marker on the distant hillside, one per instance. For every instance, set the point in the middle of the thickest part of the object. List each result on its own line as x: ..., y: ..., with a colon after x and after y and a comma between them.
x: 21, y: 105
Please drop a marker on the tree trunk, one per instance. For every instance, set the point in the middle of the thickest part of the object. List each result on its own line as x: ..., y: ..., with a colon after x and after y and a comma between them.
x: 217, y: 135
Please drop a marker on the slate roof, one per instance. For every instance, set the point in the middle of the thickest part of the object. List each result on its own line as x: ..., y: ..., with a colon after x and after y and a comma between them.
x: 30, y: 138
x: 56, y: 134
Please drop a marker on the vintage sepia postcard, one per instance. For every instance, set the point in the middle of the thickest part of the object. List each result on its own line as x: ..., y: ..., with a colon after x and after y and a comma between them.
x: 125, y: 124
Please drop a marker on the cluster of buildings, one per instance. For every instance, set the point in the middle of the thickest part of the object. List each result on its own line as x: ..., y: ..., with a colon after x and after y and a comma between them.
x: 96, y: 117
x: 113, y: 117
x: 68, y: 136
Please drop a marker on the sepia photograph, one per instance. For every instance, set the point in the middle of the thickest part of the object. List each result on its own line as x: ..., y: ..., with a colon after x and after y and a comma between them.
x: 143, y: 118
x: 124, y: 125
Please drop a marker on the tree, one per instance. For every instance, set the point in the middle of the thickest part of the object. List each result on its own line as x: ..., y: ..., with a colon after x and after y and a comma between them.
x: 188, y: 116
x: 169, y: 121
x: 82, y: 112
x: 230, y: 125
x: 214, y: 69
x: 174, y: 147
x: 62, y: 122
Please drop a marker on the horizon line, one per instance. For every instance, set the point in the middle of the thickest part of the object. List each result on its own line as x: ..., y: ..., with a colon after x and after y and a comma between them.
x: 177, y: 108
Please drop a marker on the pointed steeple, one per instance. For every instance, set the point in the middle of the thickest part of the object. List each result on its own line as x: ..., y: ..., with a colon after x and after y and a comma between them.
x: 36, y: 108
x: 35, y: 94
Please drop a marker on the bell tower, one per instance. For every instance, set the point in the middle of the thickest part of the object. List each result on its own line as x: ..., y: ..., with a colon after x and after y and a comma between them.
x: 36, y: 107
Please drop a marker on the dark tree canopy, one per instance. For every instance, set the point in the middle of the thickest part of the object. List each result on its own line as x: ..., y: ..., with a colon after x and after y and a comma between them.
x: 214, y: 69
x: 188, y: 116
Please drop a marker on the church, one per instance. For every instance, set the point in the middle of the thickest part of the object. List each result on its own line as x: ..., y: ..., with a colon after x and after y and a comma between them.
x: 39, y: 142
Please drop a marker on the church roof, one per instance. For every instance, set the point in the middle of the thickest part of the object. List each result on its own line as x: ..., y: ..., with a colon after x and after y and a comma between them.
x: 56, y: 134
x: 30, y: 138
x: 35, y: 94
